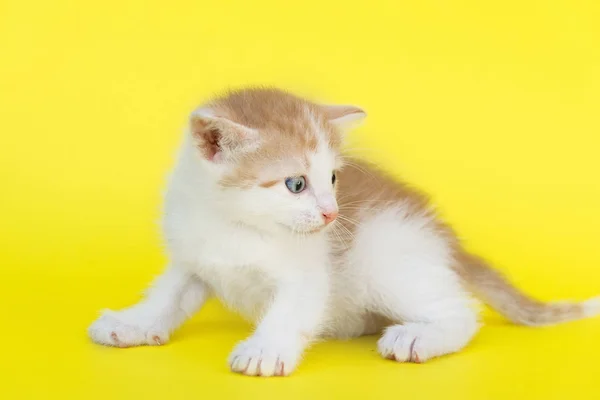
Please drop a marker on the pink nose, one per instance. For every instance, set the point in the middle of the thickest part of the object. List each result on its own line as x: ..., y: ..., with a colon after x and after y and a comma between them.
x: 330, y: 216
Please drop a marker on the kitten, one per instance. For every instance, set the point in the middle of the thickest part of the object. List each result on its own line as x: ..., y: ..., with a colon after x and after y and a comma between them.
x: 265, y: 212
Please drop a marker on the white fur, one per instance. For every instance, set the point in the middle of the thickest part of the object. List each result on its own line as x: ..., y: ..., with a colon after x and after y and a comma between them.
x: 175, y: 296
x: 240, y: 246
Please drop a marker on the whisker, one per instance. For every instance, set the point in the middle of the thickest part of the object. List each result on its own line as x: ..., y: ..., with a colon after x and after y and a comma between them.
x: 383, y: 202
x: 358, y: 208
x: 347, y: 231
x: 350, y: 221
x: 344, y: 218
x: 338, y: 236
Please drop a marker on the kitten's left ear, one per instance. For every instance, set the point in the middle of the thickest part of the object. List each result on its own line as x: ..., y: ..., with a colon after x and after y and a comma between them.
x: 219, y: 138
x: 345, y: 117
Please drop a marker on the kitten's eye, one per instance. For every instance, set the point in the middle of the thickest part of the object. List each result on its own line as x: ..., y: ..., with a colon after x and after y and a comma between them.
x: 333, y: 178
x: 296, y: 184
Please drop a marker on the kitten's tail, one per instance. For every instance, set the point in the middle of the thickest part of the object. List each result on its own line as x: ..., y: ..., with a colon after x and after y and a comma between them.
x: 495, y: 290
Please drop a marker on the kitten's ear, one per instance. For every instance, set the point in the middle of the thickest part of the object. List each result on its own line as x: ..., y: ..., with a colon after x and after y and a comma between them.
x: 219, y: 138
x: 345, y: 117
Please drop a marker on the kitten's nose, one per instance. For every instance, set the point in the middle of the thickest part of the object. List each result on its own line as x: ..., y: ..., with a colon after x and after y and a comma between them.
x: 329, y: 216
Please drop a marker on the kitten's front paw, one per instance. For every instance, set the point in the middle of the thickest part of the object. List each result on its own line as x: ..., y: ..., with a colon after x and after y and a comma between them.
x: 127, y: 329
x: 258, y: 356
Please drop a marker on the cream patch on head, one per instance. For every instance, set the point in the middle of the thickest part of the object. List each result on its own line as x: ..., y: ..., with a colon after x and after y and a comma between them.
x: 283, y: 168
x: 257, y: 141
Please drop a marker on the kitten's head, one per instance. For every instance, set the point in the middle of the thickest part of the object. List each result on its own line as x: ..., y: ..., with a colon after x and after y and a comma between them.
x: 273, y: 157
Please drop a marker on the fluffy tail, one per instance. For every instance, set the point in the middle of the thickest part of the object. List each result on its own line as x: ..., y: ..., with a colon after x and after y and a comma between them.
x: 493, y: 289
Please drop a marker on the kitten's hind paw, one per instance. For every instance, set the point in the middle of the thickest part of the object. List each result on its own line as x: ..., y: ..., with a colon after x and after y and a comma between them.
x: 125, y: 329
x: 405, y: 344
x: 419, y: 342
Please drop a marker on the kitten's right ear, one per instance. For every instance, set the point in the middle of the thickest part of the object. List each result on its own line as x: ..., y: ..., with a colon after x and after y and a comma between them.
x: 345, y: 117
x: 219, y: 138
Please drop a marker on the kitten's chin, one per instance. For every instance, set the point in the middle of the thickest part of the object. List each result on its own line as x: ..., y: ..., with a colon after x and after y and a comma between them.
x: 311, y: 231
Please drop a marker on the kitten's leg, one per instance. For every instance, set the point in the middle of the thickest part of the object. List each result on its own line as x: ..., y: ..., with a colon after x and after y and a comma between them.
x: 292, y: 320
x: 420, y: 341
x: 406, y: 264
x: 435, y: 317
x: 174, y: 297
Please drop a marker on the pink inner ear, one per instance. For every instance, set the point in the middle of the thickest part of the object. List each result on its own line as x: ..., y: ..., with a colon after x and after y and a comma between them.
x: 212, y: 149
x: 216, y: 137
x: 208, y: 138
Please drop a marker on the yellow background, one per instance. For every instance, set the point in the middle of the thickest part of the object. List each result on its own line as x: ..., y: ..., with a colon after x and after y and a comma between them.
x: 492, y: 107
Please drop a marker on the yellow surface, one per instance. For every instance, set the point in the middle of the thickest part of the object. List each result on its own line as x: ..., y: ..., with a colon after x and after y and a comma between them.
x: 493, y: 107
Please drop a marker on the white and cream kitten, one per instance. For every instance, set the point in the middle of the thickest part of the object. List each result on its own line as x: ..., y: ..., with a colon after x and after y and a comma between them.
x: 264, y: 212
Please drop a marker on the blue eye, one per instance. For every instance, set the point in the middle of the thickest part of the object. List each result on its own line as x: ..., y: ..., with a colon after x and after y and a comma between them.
x: 295, y: 184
